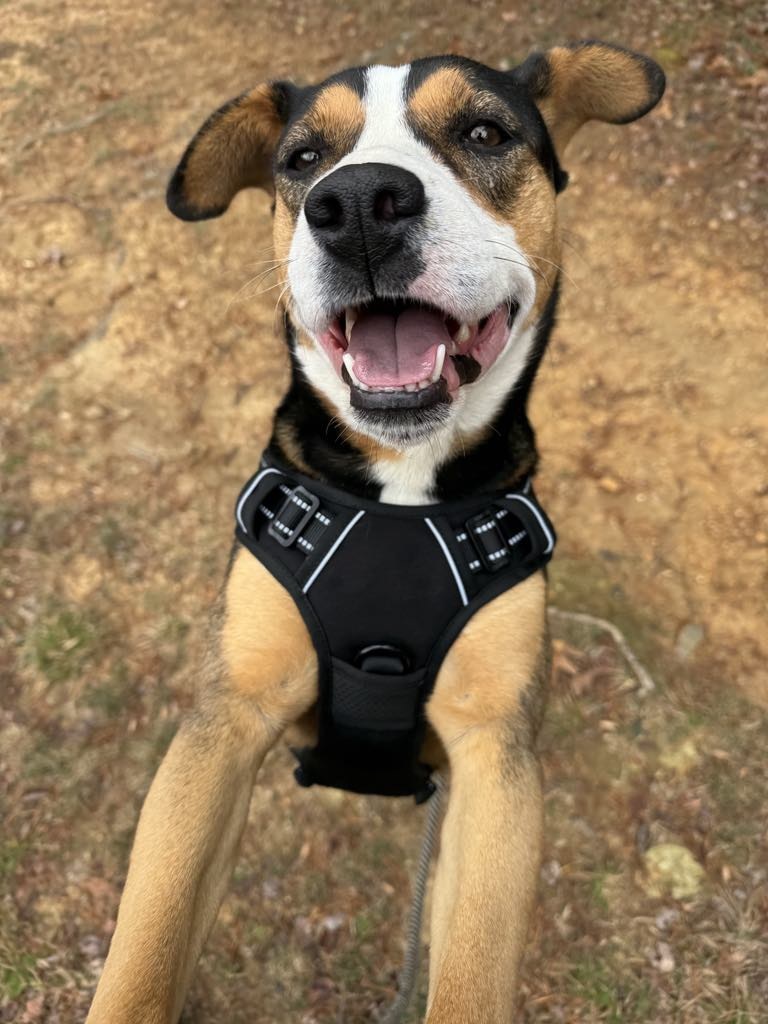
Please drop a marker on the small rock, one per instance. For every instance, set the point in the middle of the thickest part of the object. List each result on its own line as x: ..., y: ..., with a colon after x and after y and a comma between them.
x: 270, y: 888
x: 672, y: 870
x: 666, y: 918
x: 54, y: 256
x: 333, y: 922
x: 662, y: 959
x: 551, y: 871
x: 688, y: 640
x: 609, y: 484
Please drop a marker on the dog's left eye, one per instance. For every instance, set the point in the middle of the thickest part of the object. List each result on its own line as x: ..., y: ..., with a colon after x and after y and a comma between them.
x: 303, y: 159
x: 486, y: 133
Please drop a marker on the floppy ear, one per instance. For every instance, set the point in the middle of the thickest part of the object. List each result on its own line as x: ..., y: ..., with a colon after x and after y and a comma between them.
x: 590, y: 81
x: 232, y: 150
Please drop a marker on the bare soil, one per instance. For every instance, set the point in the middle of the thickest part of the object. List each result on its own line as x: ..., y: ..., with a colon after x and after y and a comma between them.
x: 138, y: 371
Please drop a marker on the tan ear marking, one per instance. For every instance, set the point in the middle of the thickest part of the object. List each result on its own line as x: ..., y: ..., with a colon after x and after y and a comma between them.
x: 590, y: 81
x: 233, y: 150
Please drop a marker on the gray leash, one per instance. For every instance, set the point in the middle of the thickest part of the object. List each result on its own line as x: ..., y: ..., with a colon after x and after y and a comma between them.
x: 407, y: 980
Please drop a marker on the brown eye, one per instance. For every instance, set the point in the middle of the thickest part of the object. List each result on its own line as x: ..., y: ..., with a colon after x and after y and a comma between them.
x: 487, y: 134
x: 303, y: 159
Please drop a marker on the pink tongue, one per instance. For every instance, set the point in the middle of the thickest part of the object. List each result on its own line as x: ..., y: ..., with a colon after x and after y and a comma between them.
x: 392, y: 351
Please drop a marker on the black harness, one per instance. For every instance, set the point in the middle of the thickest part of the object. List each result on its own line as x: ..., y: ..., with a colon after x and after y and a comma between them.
x: 384, y: 590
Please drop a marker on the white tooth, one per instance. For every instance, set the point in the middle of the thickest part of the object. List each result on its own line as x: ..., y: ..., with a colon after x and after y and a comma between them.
x: 349, y: 362
x: 424, y: 384
x: 411, y: 387
x: 438, y: 363
x: 462, y: 334
x: 350, y: 315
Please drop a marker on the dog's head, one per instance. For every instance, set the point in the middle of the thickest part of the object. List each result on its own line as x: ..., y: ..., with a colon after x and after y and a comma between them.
x: 415, y: 222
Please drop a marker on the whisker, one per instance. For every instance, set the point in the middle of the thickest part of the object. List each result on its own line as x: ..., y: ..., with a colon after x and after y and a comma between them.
x: 517, y: 263
x: 537, y: 257
x: 245, y: 295
x: 275, y: 326
x: 278, y: 265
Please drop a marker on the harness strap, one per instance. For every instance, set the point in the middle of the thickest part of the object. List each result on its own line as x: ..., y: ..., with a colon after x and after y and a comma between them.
x: 371, y: 721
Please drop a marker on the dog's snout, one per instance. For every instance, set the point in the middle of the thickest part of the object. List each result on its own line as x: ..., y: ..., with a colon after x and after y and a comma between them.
x: 364, y: 211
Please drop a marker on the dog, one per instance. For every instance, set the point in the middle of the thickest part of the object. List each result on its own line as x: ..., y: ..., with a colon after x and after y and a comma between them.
x: 417, y: 246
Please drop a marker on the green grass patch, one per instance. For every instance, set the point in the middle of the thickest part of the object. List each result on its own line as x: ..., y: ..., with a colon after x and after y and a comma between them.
x: 109, y: 696
x: 11, y: 854
x: 17, y: 974
x: 61, y: 643
x: 618, y: 998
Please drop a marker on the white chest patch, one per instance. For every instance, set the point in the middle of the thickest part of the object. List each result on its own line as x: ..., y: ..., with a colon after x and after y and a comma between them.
x: 408, y: 478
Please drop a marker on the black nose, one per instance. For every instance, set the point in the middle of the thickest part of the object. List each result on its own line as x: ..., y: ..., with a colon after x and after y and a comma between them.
x: 363, y: 212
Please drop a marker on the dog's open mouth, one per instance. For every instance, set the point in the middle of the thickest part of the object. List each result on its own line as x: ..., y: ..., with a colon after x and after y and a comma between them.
x: 398, y: 354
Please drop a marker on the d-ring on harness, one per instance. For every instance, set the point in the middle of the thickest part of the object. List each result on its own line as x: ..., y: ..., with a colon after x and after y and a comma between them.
x: 384, y: 591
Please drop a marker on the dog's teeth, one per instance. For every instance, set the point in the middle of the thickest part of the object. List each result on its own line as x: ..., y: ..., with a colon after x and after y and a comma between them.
x: 349, y: 362
x: 350, y: 315
x: 424, y: 384
x: 411, y: 387
x: 438, y: 364
x: 462, y: 334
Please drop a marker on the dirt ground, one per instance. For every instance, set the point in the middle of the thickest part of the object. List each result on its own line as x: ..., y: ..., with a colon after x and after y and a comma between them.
x: 138, y: 371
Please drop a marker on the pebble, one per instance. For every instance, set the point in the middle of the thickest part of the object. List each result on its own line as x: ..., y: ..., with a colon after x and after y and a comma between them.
x: 688, y: 640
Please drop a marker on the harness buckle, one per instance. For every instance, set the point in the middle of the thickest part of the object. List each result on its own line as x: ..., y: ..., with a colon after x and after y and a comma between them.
x: 293, y: 515
x: 488, y: 540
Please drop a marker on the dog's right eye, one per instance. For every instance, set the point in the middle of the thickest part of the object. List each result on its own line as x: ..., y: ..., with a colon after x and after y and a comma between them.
x: 303, y: 159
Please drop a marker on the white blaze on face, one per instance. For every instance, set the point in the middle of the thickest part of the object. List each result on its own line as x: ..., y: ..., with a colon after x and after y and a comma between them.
x: 461, y: 246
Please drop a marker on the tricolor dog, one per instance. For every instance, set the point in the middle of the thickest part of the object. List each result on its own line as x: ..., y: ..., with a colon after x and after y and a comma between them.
x: 385, y: 604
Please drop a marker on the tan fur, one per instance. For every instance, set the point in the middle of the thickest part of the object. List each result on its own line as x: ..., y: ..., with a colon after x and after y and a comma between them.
x: 285, y: 435
x: 591, y: 83
x: 282, y: 234
x: 443, y: 91
x: 266, y: 649
x: 486, y: 709
x: 533, y: 215
x: 338, y: 116
x: 235, y: 152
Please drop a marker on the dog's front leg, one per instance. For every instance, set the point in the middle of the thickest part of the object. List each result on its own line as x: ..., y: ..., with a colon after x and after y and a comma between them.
x: 486, y: 708
x: 196, y: 809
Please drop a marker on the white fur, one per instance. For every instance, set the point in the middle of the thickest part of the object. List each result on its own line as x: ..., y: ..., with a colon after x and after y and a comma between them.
x: 463, y: 276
